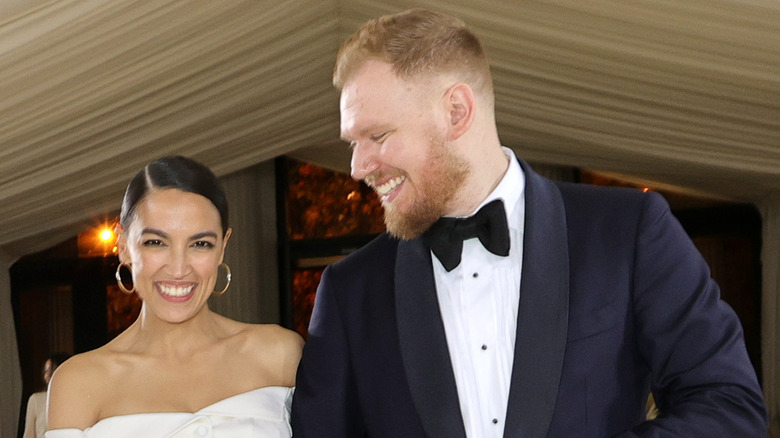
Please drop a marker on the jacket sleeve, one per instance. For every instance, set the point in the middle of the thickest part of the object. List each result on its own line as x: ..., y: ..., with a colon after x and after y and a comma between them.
x: 325, y: 401
x: 701, y: 376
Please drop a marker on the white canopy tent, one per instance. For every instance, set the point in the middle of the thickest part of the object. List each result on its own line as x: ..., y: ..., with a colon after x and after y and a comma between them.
x: 680, y: 92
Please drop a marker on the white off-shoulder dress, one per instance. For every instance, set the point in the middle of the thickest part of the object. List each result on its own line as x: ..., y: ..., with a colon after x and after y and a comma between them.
x: 263, y: 412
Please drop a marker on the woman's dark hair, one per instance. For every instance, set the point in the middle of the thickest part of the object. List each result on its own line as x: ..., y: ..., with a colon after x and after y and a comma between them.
x: 176, y: 172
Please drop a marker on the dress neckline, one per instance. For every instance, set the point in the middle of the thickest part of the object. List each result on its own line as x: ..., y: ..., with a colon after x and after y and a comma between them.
x: 266, y: 402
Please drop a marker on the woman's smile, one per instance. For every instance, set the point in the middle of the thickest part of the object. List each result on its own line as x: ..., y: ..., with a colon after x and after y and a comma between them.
x: 176, y: 291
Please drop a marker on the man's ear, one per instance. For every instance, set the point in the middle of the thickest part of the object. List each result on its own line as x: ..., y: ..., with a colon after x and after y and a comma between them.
x: 461, y: 105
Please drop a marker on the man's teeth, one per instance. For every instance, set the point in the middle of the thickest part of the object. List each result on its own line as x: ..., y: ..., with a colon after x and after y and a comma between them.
x: 176, y: 291
x: 389, y: 186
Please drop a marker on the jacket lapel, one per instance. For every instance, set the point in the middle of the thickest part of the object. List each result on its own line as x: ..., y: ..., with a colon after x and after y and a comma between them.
x: 423, y: 343
x: 542, y: 320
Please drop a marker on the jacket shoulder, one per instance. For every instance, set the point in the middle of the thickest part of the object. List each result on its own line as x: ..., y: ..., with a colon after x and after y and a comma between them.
x: 374, y: 258
x: 600, y: 201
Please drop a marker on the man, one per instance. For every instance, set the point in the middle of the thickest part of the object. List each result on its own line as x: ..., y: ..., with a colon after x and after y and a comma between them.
x: 587, y: 299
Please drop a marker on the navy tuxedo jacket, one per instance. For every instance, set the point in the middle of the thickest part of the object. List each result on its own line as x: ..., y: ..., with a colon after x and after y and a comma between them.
x: 614, y: 301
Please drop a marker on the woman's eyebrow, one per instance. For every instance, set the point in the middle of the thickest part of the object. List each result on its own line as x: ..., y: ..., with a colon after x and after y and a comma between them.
x: 155, y: 231
x: 199, y: 236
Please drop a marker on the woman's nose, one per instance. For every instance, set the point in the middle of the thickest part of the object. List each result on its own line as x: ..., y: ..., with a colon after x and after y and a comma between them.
x: 179, y: 264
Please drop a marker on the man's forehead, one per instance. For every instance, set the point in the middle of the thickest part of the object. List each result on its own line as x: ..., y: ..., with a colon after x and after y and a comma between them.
x: 355, y: 124
x: 359, y: 103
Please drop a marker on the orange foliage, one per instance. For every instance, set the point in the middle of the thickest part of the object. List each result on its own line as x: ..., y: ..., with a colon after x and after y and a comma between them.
x: 322, y: 204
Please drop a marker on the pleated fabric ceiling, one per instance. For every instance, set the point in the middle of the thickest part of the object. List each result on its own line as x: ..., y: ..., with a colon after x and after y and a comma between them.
x: 681, y: 92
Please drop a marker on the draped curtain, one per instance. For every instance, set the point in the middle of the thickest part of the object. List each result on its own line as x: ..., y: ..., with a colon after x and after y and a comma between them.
x: 770, y: 319
x: 251, y: 253
x: 10, y: 373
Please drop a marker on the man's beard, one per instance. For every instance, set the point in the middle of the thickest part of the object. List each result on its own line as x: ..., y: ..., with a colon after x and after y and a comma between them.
x: 445, y: 175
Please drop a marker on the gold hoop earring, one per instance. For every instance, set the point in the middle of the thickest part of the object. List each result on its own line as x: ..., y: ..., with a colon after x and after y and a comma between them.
x: 229, y: 277
x: 118, y: 277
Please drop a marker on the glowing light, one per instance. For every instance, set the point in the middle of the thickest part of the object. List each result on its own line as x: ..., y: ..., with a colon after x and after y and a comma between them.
x: 106, y: 235
x: 646, y: 189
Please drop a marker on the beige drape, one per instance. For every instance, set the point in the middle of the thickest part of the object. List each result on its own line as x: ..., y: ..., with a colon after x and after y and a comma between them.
x: 770, y: 317
x: 10, y: 372
x: 253, y: 295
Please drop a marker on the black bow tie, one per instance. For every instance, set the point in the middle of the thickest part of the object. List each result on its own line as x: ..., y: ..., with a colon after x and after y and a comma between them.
x: 489, y: 225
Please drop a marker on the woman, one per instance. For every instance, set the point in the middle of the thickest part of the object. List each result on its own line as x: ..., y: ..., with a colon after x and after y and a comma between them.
x: 180, y: 369
x: 35, y: 419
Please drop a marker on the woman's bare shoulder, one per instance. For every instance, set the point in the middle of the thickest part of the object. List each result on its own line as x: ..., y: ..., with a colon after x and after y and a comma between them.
x: 275, y: 347
x: 275, y: 337
x: 76, y: 390
x: 85, y: 369
x: 260, y: 337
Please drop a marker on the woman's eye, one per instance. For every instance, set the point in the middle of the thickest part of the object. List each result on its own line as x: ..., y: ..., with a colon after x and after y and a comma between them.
x: 203, y: 244
x: 152, y: 242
